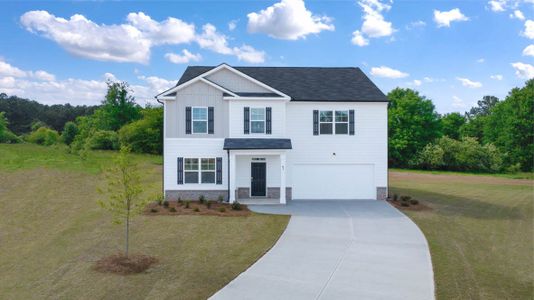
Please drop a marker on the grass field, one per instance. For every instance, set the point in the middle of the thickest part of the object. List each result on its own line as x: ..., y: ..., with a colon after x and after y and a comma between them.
x: 52, y: 231
x: 480, y: 232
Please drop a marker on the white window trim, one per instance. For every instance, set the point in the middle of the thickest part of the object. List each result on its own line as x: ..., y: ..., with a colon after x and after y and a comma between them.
x: 193, y: 120
x: 334, y: 122
x: 199, y: 170
x: 264, y: 120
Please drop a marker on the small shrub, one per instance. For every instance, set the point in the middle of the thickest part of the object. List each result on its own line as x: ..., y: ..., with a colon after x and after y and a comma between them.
x: 196, y: 209
x: 220, y: 199
x: 405, y: 198
x: 201, y: 199
x: 166, y: 203
x: 222, y: 209
x: 186, y: 204
x: 43, y: 136
x: 236, y: 206
x: 414, y: 202
x: 153, y: 210
x: 172, y: 209
x: 103, y: 140
x: 515, y: 168
x: 406, y: 204
x: 395, y: 197
x: 208, y: 204
x: 159, y: 199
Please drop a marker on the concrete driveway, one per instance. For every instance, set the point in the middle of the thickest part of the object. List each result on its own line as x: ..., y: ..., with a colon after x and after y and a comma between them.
x: 339, y: 250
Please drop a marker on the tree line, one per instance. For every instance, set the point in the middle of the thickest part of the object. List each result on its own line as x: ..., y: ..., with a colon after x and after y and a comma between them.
x: 494, y: 136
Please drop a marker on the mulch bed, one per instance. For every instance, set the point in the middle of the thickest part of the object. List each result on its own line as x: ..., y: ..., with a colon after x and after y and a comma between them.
x: 125, y: 265
x: 413, y: 207
x: 154, y: 209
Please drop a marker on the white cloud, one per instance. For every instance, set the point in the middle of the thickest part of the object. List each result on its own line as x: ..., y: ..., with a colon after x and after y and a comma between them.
x: 481, y: 60
x: 496, y: 77
x: 218, y: 42
x: 44, y: 87
x: 469, y: 83
x: 517, y: 14
x: 529, y: 29
x: 529, y: 50
x: 523, y: 71
x: 232, y: 25
x: 387, y: 72
x: 374, y: 25
x: 416, y: 24
x: 10, y: 71
x: 417, y: 82
x: 497, y: 5
x: 428, y: 79
x: 444, y: 18
x: 457, y: 102
x: 186, y: 57
x: 129, y: 42
x: 359, y: 39
x: 288, y: 20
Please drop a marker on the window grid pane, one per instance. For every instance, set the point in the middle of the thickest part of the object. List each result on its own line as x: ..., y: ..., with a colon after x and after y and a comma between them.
x: 200, y: 113
x: 342, y: 116
x: 342, y: 128
x: 325, y: 116
x: 191, y: 164
x: 208, y: 177
x: 191, y: 177
x: 208, y: 164
x: 257, y: 126
x: 200, y: 126
x: 326, y: 128
x: 257, y: 114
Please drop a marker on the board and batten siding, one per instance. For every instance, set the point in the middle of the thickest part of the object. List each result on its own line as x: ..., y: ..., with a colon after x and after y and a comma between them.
x: 278, y: 118
x: 192, y: 148
x: 236, y: 83
x: 197, y: 94
x: 367, y: 146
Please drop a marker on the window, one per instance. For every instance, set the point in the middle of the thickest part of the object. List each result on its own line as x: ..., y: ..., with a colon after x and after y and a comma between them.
x: 205, y: 171
x: 325, y: 122
x: 334, y: 122
x: 200, y: 120
x: 257, y: 120
x: 191, y: 170
x: 208, y: 170
x: 342, y: 121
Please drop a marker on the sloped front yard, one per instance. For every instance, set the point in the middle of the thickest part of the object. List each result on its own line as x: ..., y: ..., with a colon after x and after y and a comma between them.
x: 52, y: 232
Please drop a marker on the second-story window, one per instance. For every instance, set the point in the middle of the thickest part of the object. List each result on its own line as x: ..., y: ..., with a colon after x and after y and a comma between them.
x: 334, y: 122
x: 199, y: 119
x: 326, y: 122
x: 257, y: 120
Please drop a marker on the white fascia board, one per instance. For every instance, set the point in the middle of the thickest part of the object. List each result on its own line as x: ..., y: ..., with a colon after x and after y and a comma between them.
x: 256, y: 98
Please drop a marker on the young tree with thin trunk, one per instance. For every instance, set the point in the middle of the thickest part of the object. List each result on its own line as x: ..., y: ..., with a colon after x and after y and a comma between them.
x: 123, y: 191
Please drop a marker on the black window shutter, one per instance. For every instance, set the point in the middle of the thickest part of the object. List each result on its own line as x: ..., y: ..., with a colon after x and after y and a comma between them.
x: 210, y: 120
x: 351, y: 122
x: 268, y: 120
x: 219, y: 170
x: 246, y: 120
x: 315, y: 122
x: 180, y: 172
x: 188, y: 120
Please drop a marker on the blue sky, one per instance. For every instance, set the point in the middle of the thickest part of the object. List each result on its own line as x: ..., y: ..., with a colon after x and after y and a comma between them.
x: 453, y: 52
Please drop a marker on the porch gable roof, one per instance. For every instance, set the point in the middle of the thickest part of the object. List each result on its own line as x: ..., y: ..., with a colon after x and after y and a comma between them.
x: 256, y: 143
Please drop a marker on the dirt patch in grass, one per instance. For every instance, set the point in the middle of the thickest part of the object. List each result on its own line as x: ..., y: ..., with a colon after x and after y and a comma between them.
x: 176, y: 208
x: 413, y: 207
x: 125, y: 265
x: 456, y: 178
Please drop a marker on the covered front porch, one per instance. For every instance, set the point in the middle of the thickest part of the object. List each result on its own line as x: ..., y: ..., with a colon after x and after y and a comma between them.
x: 257, y: 170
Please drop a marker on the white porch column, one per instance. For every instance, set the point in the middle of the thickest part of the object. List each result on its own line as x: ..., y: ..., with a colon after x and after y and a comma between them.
x: 283, y: 178
x: 232, y: 177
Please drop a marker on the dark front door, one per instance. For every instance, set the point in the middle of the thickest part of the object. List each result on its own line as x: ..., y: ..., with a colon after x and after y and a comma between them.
x: 258, y: 179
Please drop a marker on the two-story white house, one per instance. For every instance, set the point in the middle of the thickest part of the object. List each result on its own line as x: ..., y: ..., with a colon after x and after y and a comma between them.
x: 275, y: 133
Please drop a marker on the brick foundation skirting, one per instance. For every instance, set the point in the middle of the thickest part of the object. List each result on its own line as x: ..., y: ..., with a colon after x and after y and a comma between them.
x: 194, y: 194
x: 381, y: 193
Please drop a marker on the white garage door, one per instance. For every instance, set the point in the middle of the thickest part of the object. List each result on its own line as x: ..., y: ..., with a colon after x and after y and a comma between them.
x: 333, y: 181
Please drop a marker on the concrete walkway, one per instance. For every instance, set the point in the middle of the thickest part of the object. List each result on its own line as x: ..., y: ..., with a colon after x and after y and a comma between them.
x: 339, y: 250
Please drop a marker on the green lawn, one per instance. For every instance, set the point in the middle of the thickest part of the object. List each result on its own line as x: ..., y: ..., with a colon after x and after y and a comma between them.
x: 52, y: 231
x: 480, y: 232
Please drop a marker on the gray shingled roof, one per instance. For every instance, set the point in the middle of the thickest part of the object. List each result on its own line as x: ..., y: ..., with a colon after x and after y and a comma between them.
x: 256, y: 143
x: 309, y: 83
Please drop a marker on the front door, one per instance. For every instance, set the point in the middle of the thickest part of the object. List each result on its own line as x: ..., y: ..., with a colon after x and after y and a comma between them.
x: 258, y: 179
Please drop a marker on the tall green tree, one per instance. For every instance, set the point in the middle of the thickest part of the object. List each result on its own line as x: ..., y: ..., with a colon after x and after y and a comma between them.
x: 145, y: 135
x: 413, y: 123
x: 69, y: 132
x: 451, y: 124
x: 476, y: 118
x: 119, y: 107
x: 510, y: 126
x: 123, y: 192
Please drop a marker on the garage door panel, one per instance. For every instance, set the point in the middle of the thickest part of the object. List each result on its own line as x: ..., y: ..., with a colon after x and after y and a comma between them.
x: 333, y: 181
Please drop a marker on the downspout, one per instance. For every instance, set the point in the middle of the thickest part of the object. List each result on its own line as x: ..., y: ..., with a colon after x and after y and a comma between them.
x: 228, y: 167
x: 163, y: 152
